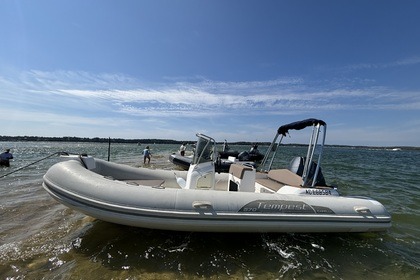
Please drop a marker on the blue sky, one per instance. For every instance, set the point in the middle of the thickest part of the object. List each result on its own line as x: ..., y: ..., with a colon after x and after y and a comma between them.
x: 233, y: 70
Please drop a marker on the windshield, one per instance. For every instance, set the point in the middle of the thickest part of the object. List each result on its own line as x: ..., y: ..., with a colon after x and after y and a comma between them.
x: 204, y: 149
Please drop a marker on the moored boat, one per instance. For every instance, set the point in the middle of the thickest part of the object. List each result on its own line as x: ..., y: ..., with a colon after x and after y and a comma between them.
x: 182, y: 162
x: 223, y: 165
x: 294, y: 199
x: 252, y: 155
x: 225, y: 157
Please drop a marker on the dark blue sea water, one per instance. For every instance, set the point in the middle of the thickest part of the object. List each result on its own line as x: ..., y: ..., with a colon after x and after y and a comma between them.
x: 41, y: 239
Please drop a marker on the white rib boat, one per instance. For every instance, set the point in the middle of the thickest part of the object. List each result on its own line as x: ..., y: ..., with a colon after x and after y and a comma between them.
x: 295, y: 199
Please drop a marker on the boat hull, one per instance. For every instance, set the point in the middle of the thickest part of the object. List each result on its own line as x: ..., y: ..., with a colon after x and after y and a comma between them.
x: 181, y: 161
x: 107, y: 193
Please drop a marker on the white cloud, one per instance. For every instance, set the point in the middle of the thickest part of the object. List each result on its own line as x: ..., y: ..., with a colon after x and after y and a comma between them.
x: 201, y: 99
x: 192, y: 101
x: 407, y: 61
x: 401, y: 62
x: 79, y: 102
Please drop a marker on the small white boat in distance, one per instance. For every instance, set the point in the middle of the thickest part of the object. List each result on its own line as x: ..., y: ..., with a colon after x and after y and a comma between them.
x: 295, y: 199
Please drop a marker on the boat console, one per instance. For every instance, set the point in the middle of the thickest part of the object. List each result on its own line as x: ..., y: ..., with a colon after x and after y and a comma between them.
x: 201, y: 173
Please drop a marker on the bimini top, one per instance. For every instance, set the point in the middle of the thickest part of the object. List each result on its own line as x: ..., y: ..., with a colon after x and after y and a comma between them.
x: 284, y: 129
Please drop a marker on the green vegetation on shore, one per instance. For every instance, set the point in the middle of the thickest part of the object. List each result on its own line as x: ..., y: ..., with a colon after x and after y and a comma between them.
x: 155, y: 141
x: 104, y: 140
x: 85, y: 139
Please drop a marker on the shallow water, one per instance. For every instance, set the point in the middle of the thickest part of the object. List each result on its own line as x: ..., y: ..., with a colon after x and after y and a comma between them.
x: 41, y: 239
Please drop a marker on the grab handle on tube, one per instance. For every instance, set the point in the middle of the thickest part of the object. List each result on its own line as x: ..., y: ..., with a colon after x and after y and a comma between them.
x: 201, y: 204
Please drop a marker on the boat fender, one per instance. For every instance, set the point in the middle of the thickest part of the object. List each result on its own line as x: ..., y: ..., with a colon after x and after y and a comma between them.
x: 181, y: 182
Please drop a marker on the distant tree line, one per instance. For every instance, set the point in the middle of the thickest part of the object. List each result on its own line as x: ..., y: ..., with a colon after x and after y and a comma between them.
x: 156, y: 141
x: 104, y: 140
x: 86, y: 139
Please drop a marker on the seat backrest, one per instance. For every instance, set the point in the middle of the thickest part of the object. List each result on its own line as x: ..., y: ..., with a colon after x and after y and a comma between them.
x: 238, y: 170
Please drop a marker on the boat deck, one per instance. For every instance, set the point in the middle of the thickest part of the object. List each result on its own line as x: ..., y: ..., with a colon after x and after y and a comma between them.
x: 221, y: 185
x: 271, y: 181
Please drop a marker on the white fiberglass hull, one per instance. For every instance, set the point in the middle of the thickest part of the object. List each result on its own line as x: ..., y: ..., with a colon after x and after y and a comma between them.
x: 164, y: 206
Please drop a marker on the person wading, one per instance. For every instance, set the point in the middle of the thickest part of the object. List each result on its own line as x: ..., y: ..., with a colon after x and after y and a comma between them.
x: 5, y: 158
x: 146, y: 155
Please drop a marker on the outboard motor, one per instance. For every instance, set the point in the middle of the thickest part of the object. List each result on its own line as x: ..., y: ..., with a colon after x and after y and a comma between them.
x: 297, y: 166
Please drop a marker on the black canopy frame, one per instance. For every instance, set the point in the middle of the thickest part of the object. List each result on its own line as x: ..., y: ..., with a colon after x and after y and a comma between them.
x: 318, y: 126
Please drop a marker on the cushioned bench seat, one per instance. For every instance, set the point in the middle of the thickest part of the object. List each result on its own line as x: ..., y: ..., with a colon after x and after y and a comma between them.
x: 279, y: 178
x: 286, y: 177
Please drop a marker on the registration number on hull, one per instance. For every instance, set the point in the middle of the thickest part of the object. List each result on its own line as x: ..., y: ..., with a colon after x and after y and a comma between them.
x: 318, y: 192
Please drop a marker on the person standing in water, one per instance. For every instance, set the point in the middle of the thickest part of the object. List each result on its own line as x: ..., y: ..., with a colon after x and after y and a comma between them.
x: 5, y: 158
x: 182, y: 149
x: 146, y: 155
